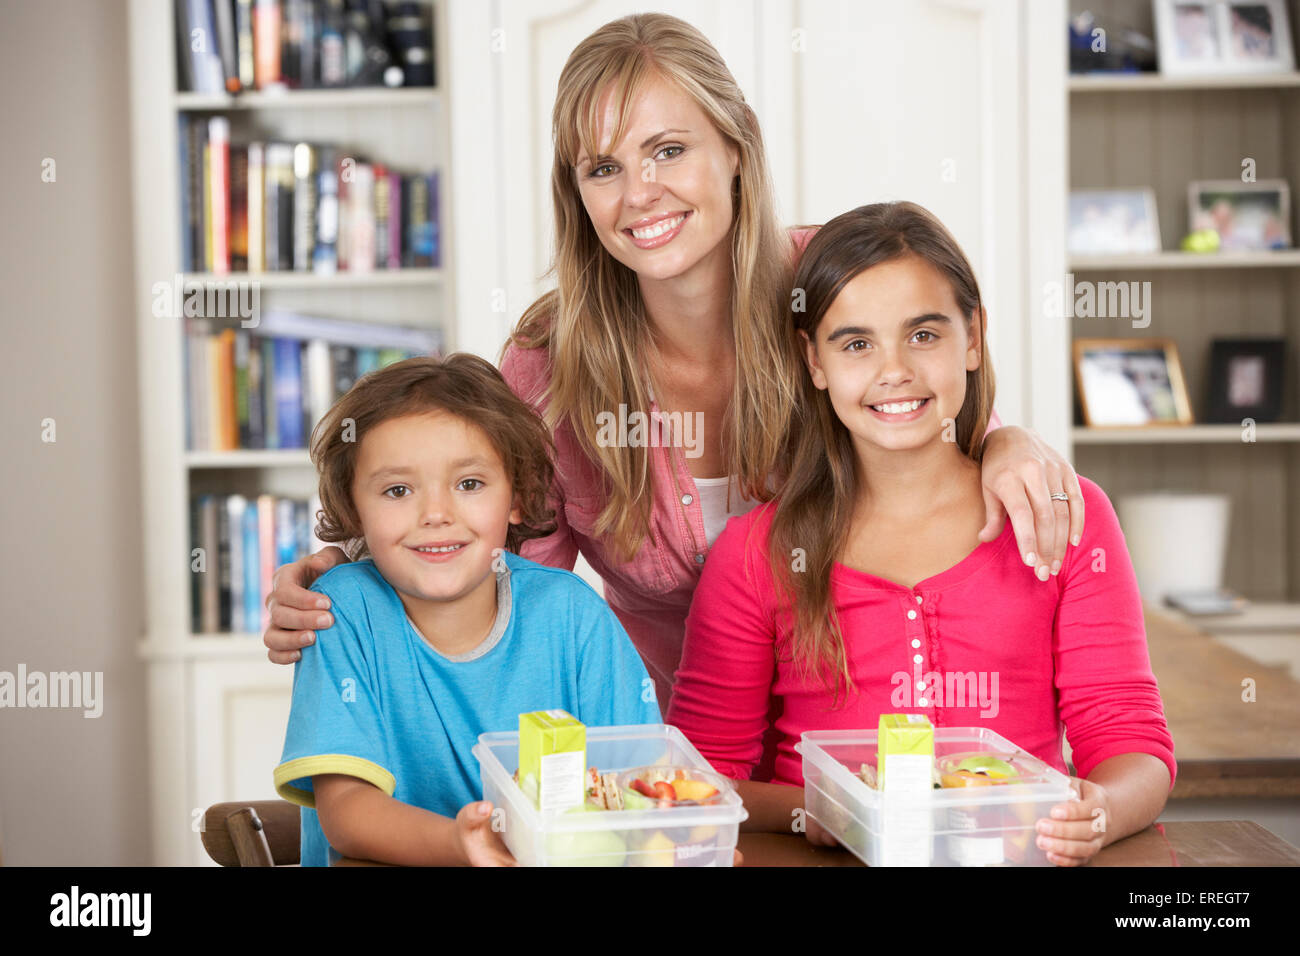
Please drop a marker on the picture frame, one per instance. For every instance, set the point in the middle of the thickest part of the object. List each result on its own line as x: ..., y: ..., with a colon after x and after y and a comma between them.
x: 1130, y: 383
x: 1247, y: 379
x: 1249, y: 217
x: 1112, y: 221
x: 1209, y: 37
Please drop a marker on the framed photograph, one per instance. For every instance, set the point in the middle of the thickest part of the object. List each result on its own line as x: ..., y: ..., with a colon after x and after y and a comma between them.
x: 1108, y: 221
x: 1247, y: 216
x: 1130, y: 382
x: 1246, y: 379
x: 1223, y: 36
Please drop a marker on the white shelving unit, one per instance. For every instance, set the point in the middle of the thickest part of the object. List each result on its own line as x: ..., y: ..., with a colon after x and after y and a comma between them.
x: 250, y: 458
x: 217, y: 706
x: 378, y: 279
x: 1183, y: 434
x: 367, y: 98
x: 1139, y: 130
x: 1156, y: 82
x: 1280, y: 259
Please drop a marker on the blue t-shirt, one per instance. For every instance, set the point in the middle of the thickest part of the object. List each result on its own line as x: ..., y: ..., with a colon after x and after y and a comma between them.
x: 372, y: 699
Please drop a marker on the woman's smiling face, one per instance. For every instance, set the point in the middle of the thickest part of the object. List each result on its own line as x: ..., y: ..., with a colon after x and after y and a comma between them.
x: 892, y: 351
x: 660, y: 200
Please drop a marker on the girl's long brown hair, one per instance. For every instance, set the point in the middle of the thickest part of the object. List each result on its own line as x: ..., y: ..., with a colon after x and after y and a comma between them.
x: 461, y: 384
x: 594, y: 325
x: 815, y: 510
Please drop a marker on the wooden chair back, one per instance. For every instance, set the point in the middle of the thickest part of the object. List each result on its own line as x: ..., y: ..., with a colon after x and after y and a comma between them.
x: 252, y: 833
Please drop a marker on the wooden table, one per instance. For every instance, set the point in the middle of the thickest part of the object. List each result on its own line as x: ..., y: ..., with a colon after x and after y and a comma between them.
x: 1225, y: 747
x: 1221, y: 843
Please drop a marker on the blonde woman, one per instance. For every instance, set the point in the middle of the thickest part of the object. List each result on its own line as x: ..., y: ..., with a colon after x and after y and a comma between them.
x: 664, y: 362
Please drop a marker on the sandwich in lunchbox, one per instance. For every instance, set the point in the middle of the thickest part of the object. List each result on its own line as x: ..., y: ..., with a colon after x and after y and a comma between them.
x: 602, y: 790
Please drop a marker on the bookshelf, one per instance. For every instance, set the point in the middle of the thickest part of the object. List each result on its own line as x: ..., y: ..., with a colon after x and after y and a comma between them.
x: 1139, y: 130
x: 217, y: 707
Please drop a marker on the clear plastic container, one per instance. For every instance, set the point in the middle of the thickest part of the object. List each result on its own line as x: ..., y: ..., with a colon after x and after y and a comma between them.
x: 992, y: 825
x: 702, y: 835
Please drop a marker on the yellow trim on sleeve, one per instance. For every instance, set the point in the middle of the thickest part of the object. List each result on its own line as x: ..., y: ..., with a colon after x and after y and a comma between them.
x: 359, y: 767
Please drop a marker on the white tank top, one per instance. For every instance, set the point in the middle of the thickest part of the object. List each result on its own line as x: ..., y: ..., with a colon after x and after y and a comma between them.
x: 713, y: 502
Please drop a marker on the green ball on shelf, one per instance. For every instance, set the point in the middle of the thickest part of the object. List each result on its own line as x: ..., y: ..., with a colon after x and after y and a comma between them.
x: 1201, y: 240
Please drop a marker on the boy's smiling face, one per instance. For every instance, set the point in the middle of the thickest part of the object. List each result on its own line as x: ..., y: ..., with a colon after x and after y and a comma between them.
x: 432, y: 480
x: 892, y: 352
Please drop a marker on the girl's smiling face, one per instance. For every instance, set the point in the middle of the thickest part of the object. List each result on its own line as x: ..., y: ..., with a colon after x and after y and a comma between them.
x: 892, y: 352
x: 432, y: 480
x: 660, y: 200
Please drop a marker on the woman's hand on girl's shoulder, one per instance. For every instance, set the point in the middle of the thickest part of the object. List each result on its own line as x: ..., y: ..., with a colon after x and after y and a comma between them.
x: 295, y: 611
x: 1019, y: 473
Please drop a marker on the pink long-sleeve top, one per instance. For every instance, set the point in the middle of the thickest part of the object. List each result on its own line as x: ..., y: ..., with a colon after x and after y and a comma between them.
x: 1069, y: 654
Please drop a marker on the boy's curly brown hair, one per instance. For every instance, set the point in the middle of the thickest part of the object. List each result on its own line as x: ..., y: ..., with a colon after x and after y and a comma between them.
x: 463, y: 385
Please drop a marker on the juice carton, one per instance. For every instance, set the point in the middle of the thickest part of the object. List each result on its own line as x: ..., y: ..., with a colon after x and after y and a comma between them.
x: 553, y: 758
x: 905, y: 759
x: 905, y: 753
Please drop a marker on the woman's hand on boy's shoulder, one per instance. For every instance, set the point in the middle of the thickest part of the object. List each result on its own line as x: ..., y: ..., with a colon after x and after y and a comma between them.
x: 296, y: 611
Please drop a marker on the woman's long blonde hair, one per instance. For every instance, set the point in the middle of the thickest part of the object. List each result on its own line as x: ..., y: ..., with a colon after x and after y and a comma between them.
x: 594, y: 325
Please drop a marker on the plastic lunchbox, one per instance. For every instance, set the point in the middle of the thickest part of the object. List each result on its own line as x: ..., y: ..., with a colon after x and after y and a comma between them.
x: 977, y: 826
x: 674, y: 836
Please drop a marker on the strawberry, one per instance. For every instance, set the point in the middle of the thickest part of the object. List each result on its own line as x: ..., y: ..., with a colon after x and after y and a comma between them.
x: 664, y: 790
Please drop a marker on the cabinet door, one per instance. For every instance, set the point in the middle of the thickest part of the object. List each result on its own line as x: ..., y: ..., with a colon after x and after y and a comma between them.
x: 951, y: 104
x: 240, y: 711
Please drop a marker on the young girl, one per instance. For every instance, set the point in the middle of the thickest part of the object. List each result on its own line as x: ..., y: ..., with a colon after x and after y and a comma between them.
x: 863, y: 589
x: 439, y: 634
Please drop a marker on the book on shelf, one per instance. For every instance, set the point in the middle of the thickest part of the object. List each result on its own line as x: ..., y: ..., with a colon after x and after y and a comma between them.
x: 198, y: 61
x: 242, y: 540
x: 216, y: 202
x: 267, y: 387
x: 229, y: 46
x: 277, y: 206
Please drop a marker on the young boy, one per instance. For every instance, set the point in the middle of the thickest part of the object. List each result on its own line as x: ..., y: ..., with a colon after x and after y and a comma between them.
x: 436, y: 471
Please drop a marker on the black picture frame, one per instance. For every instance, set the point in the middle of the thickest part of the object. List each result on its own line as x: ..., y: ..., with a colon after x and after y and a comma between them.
x: 1246, y: 380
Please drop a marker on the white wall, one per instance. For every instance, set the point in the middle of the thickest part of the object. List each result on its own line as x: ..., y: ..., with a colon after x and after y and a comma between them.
x: 72, y: 790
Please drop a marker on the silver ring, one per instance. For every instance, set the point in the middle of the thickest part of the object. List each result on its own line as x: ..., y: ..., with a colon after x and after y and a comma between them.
x: 1059, y: 496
